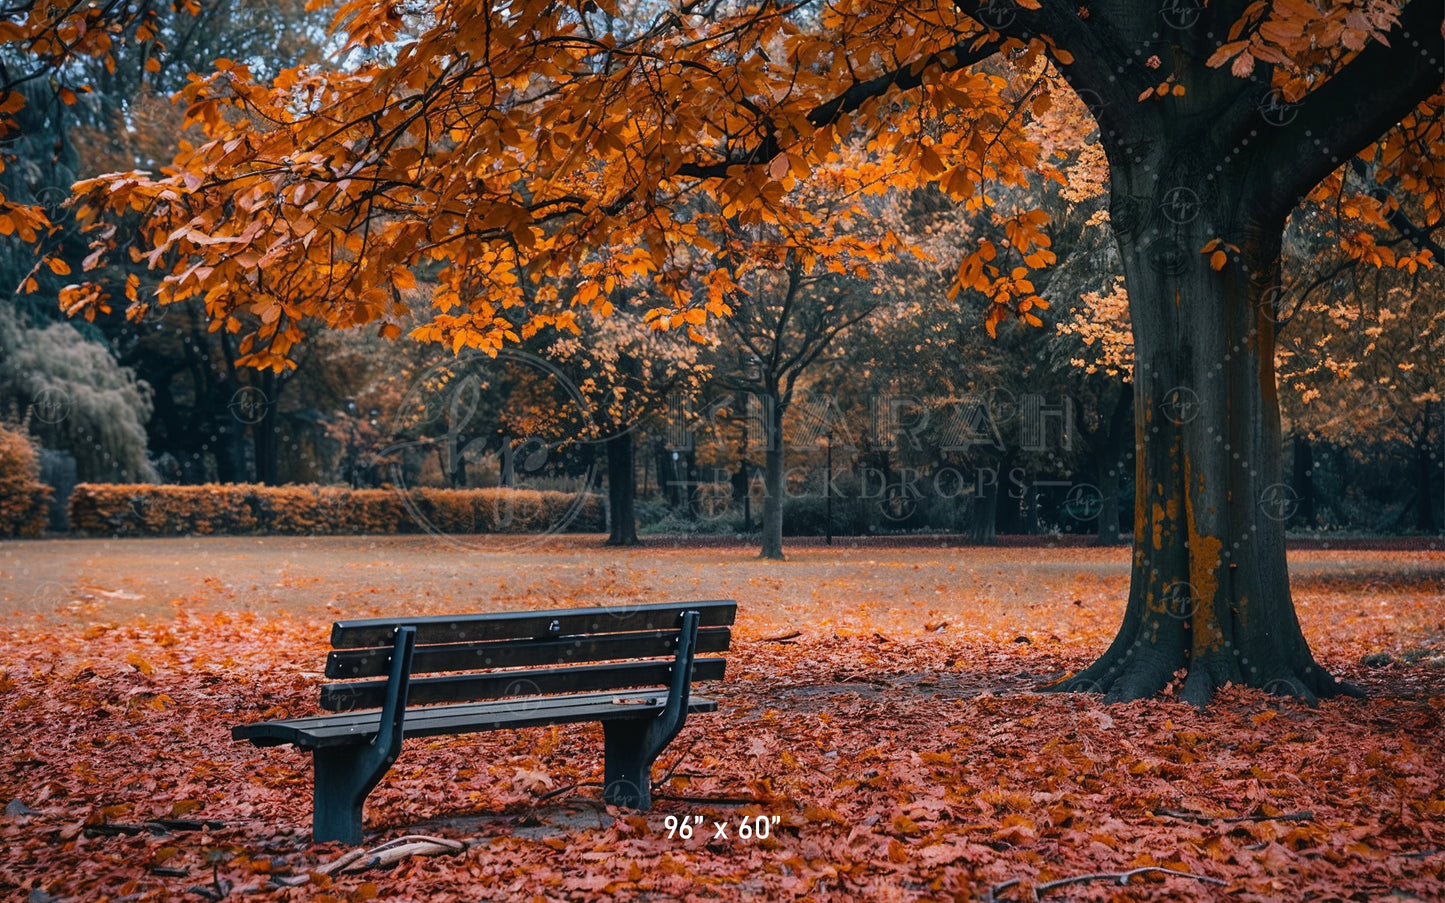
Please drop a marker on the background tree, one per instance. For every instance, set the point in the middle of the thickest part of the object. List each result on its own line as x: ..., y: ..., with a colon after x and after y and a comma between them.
x: 75, y: 397
x: 629, y: 373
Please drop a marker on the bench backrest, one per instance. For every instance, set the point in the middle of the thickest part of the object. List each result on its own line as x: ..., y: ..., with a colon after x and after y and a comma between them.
x: 518, y: 654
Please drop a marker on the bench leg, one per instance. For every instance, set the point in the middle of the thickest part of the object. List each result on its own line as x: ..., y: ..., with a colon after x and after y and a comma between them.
x: 344, y: 778
x: 627, y: 767
x: 346, y: 774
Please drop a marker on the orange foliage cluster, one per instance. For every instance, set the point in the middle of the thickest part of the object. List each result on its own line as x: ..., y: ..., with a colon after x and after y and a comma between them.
x: 538, y: 157
x: 23, y: 497
x: 45, y: 39
x: 900, y: 769
x: 147, y: 510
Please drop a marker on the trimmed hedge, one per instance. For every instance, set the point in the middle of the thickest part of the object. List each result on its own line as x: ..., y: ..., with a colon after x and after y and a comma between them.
x: 23, y: 498
x: 230, y: 509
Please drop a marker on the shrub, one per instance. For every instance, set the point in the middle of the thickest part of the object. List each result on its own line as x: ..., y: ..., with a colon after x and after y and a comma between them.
x: 23, y: 497
x: 148, y: 510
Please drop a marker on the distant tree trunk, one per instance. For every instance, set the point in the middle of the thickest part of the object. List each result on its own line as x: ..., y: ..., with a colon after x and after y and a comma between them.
x: 266, y: 432
x: 1304, y: 482
x: 985, y: 507
x: 1111, y: 447
x: 622, y: 489
x: 1424, y: 477
x: 775, y: 484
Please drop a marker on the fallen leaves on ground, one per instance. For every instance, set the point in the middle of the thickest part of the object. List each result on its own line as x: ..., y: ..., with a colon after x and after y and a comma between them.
x: 900, y: 765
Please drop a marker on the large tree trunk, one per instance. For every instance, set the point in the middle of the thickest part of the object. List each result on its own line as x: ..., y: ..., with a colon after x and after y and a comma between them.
x: 774, y: 484
x: 1210, y: 586
x: 1111, y: 459
x: 1218, y: 159
x: 622, y: 489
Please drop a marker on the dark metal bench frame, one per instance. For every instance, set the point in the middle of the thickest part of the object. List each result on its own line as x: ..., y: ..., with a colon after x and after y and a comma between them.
x: 353, y: 750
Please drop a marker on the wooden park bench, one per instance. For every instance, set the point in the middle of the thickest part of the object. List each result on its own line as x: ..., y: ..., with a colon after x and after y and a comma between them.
x: 504, y: 670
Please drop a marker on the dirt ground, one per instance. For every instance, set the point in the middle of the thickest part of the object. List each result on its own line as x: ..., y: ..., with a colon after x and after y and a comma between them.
x: 907, y: 587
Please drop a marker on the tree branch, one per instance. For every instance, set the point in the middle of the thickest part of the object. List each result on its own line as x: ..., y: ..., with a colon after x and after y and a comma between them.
x: 904, y: 78
x: 1355, y: 107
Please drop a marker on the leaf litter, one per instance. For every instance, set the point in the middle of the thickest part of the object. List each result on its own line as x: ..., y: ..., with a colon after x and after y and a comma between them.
x: 904, y: 759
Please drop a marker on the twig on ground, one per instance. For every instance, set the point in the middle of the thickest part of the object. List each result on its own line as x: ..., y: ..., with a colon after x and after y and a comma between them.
x: 390, y: 853
x: 566, y: 789
x: 1201, y: 818
x: 719, y: 800
x: 785, y: 638
x: 1120, y: 878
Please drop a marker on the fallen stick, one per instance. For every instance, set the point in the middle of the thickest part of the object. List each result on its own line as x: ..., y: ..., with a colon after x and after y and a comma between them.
x: 782, y: 639
x: 390, y: 853
x: 1120, y: 878
x: 1201, y: 818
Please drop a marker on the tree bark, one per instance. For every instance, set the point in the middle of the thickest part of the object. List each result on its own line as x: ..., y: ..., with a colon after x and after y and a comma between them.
x: 1210, y: 590
x: 622, y: 489
x: 1110, y: 452
x: 774, y: 484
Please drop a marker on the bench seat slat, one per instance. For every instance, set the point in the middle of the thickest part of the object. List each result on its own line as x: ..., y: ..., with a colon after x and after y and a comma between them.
x: 530, y: 682
x: 360, y: 727
x: 362, y: 633
x: 349, y: 663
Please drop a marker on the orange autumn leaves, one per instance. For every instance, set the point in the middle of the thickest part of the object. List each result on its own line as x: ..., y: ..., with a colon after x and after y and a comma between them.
x: 900, y: 766
x: 536, y: 157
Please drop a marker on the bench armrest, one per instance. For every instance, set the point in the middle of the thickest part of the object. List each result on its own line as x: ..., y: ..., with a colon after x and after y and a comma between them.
x: 393, y: 711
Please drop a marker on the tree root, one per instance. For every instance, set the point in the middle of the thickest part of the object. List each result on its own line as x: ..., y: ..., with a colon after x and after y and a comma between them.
x: 1126, y: 676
